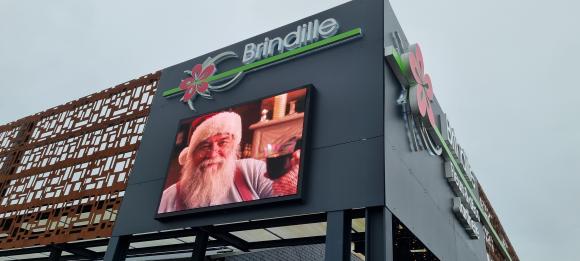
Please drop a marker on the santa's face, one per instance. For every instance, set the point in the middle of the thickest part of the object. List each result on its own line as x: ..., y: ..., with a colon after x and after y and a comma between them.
x: 211, y: 153
x: 208, y: 174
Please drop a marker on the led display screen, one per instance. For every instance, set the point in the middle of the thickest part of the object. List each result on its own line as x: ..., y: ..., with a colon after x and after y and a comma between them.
x: 242, y: 155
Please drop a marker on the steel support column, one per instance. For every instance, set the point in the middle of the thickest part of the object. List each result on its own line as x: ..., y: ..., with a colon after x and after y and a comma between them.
x: 117, y: 248
x: 379, y: 234
x: 199, y: 246
x: 55, y: 254
x: 338, y: 225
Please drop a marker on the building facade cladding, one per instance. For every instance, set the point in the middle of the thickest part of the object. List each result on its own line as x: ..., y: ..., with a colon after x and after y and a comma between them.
x: 49, y: 192
x: 63, y: 171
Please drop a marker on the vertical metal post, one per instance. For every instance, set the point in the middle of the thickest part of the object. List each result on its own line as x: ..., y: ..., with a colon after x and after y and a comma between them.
x: 55, y: 254
x: 199, y: 246
x: 117, y: 248
x: 379, y: 234
x: 338, y: 225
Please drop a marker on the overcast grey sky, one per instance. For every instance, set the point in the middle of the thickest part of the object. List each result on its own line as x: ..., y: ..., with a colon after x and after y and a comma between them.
x: 502, y: 70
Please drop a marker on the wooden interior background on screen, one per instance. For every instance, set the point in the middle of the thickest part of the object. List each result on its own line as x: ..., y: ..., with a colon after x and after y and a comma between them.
x: 63, y: 171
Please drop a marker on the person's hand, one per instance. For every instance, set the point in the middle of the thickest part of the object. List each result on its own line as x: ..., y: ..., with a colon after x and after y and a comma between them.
x: 287, y: 184
x: 295, y: 160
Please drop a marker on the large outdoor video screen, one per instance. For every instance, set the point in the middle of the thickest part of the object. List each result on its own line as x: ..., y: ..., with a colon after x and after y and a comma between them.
x: 246, y: 154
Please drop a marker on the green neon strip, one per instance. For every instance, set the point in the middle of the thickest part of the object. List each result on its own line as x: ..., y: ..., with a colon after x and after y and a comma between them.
x: 244, y: 68
x: 172, y: 92
x: 472, y: 194
x: 402, y: 65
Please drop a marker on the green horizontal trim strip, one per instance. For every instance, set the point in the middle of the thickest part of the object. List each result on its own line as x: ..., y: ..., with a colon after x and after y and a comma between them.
x: 472, y: 194
x: 399, y: 60
x: 244, y: 68
x: 172, y: 92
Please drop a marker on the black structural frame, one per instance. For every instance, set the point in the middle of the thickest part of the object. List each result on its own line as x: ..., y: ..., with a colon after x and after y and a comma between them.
x: 339, y: 236
x: 304, y: 156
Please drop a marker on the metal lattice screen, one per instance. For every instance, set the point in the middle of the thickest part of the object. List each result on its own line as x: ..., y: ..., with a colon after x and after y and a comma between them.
x: 63, y: 171
x: 493, y: 251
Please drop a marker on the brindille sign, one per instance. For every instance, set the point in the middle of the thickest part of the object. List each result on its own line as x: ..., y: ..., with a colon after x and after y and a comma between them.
x: 424, y: 133
x: 305, y: 34
x: 203, y: 79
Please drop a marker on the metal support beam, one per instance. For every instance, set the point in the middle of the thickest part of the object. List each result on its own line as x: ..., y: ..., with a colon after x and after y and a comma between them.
x: 338, y: 226
x: 117, y: 248
x: 257, y: 224
x: 55, y: 254
x: 199, y: 246
x: 379, y: 234
x: 274, y: 222
x: 280, y: 222
x: 80, y: 252
x: 359, y: 247
x: 24, y: 251
x: 297, y: 241
x: 173, y: 249
x: 227, y: 237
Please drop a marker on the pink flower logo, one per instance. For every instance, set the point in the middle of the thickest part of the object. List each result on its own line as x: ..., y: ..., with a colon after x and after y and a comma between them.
x: 420, y: 95
x: 417, y: 97
x: 197, y: 83
x: 200, y: 75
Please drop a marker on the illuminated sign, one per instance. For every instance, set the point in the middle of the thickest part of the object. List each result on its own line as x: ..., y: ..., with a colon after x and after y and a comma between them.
x: 464, y: 217
x: 457, y: 152
x: 416, y: 100
x: 305, y: 34
x: 197, y: 82
x: 463, y: 205
x: 203, y: 78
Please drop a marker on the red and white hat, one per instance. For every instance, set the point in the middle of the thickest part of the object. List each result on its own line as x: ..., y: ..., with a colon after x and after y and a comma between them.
x: 211, y: 124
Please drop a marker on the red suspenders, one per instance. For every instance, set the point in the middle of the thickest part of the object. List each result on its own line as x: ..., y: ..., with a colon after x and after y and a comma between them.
x: 242, y: 186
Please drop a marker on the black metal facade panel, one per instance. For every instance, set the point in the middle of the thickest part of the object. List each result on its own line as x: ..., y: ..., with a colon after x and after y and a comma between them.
x: 347, y: 82
x: 345, y: 164
x: 416, y: 189
x: 328, y: 187
x: 418, y: 193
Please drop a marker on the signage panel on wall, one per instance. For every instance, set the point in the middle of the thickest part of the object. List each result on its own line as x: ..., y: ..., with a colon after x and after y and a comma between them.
x: 315, y: 48
x: 242, y: 155
x: 203, y: 79
x: 423, y: 125
x: 427, y: 131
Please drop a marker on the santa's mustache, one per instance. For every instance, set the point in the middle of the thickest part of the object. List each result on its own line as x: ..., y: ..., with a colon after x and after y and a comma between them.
x: 214, y: 161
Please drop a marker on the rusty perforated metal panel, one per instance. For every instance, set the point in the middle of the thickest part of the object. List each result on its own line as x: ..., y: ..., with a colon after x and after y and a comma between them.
x: 493, y: 250
x: 63, y: 171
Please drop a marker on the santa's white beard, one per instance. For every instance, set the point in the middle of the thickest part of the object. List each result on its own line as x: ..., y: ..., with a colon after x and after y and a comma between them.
x: 201, y: 185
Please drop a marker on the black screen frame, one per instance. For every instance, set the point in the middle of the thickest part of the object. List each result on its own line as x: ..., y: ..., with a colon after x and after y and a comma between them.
x: 245, y: 204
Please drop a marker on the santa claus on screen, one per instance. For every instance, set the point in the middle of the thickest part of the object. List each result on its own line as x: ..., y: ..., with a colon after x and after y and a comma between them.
x: 212, y: 174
